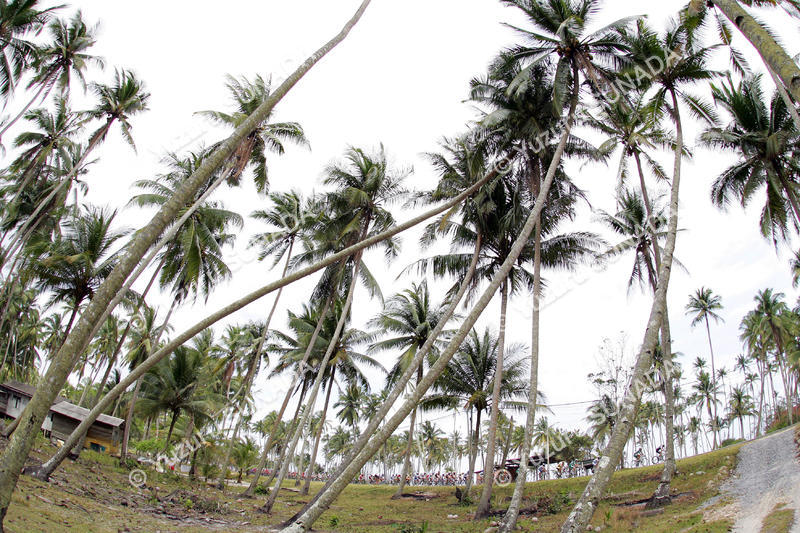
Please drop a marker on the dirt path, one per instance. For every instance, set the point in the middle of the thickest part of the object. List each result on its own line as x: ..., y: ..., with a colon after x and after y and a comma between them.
x: 768, y: 473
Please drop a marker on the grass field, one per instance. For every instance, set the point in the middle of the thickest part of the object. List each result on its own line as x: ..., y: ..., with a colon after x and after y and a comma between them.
x: 94, y: 495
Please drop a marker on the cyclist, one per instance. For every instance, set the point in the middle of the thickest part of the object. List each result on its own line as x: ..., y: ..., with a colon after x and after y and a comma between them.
x: 660, y: 453
x: 638, y: 454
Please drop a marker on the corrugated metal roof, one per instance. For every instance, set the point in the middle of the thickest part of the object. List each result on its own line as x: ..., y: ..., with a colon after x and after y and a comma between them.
x: 79, y: 413
x: 26, y: 390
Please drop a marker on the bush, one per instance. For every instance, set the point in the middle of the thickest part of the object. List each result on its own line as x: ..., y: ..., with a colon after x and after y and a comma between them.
x: 411, y: 528
x: 728, y: 442
x: 261, y: 489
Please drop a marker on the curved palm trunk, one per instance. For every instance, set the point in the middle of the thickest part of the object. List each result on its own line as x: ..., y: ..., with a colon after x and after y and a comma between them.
x: 326, y: 496
x: 509, y: 522
x: 661, y: 494
x: 318, y: 436
x: 267, y: 507
x: 19, y: 447
x: 587, y: 504
x: 409, y: 445
x: 171, y: 427
x: 262, y: 462
x: 488, y: 475
x: 773, y: 55
x: 253, y: 367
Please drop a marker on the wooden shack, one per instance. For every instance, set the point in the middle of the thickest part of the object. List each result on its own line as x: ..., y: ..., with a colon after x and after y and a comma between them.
x: 104, y: 434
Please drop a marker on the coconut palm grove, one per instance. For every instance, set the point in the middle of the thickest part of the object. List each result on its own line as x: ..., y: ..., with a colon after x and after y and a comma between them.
x: 230, y: 333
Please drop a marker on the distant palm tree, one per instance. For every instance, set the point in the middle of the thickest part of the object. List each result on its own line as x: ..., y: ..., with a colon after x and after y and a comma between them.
x: 176, y: 386
x: 74, y: 265
x: 704, y: 304
x: 18, y: 19
x: 740, y: 406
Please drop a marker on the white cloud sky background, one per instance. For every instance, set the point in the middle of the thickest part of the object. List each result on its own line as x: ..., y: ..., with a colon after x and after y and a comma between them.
x: 401, y: 78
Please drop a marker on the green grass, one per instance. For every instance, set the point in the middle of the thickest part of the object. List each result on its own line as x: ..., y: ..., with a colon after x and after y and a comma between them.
x: 780, y: 520
x: 94, y: 495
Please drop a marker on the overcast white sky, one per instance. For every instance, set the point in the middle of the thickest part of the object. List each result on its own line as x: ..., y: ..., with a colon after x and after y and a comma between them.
x: 401, y: 78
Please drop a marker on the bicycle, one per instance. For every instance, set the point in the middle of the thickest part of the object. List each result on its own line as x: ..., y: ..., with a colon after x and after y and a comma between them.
x: 659, y: 458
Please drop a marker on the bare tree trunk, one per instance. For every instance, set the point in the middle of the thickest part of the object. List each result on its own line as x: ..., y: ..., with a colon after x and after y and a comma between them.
x: 19, y: 446
x: 326, y: 496
x: 267, y: 507
x: 409, y: 445
x: 509, y: 522
x: 473, y: 455
x: 484, y: 504
x: 318, y: 437
x: 584, y: 509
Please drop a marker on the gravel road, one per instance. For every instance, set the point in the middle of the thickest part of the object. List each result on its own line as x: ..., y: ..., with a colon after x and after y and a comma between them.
x: 768, y: 473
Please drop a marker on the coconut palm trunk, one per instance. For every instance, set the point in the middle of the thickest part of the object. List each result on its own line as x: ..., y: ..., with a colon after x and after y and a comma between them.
x: 404, y: 379
x: 409, y: 445
x: 473, y: 454
x: 210, y: 320
x: 612, y: 454
x: 19, y: 446
x: 267, y: 507
x: 773, y: 55
x: 262, y: 462
x: 488, y: 475
x: 326, y: 496
x: 715, y: 429
x: 318, y: 436
x: 44, y: 86
x: 509, y: 522
x: 253, y: 367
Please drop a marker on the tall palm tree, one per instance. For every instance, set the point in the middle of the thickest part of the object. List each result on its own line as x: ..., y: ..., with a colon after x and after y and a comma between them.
x: 60, y: 60
x: 266, y: 136
x: 740, y: 406
x: 409, y: 317
x: 18, y: 19
x: 669, y: 84
x: 766, y: 139
x: 703, y: 305
x: 19, y: 447
x: 706, y: 395
x: 365, y: 186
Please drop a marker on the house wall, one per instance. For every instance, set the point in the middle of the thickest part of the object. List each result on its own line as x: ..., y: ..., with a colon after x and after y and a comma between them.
x: 105, y: 438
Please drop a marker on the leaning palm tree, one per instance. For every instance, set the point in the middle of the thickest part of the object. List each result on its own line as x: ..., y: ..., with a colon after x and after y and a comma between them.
x: 18, y: 19
x: 20, y: 445
x: 409, y: 317
x: 60, y: 60
x: 669, y: 84
x: 766, y: 140
x: 703, y: 305
x: 266, y: 136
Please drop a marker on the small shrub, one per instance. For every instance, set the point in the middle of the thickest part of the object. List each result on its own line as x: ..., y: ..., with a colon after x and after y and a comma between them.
x: 558, y: 502
x: 188, y: 503
x: 412, y: 528
x: 261, y: 489
x: 333, y: 522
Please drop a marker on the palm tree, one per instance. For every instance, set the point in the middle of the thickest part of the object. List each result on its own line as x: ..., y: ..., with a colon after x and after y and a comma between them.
x: 349, y: 404
x: 704, y: 304
x: 468, y: 380
x: 58, y: 61
x: 117, y: 104
x: 679, y: 70
x: 706, y: 395
x: 766, y: 139
x: 410, y: 317
x: 244, y: 455
x: 774, y: 320
x: 176, y: 386
x: 266, y: 136
x: 18, y: 449
x: 740, y: 406
x: 75, y: 265
x: 18, y: 19
x: 365, y: 185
